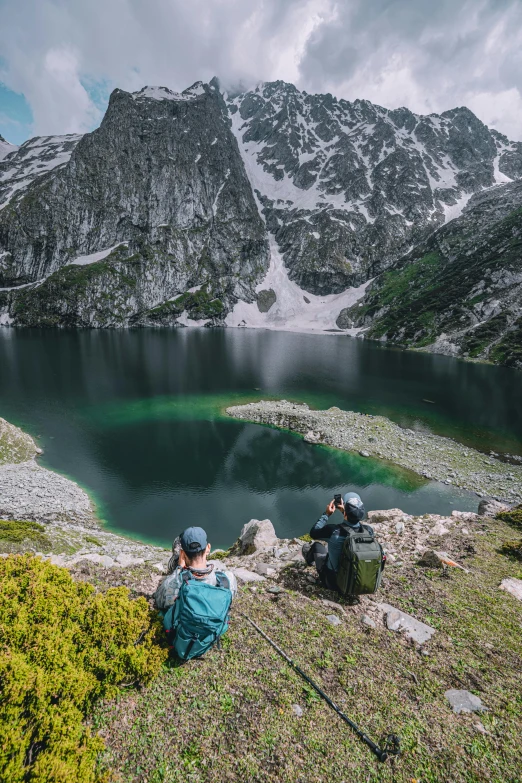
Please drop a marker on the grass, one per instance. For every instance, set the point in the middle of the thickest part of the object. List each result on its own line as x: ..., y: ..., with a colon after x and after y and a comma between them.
x: 229, y: 716
x: 17, y: 534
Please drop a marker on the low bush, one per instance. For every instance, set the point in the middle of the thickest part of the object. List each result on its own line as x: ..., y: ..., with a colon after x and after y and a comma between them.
x: 17, y: 531
x: 512, y: 549
x: 512, y: 517
x: 63, y: 647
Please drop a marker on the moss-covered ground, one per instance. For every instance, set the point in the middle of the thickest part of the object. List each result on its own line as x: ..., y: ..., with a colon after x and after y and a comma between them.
x: 15, y: 446
x: 230, y: 717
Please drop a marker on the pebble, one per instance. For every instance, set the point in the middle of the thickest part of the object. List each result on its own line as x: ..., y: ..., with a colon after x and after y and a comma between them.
x: 297, y: 710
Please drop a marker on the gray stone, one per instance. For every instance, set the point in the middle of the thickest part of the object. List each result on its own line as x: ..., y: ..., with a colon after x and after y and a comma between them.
x: 399, y: 528
x: 399, y: 621
x: 368, y: 622
x: 513, y: 586
x: 490, y: 508
x: 257, y: 534
x: 265, y: 569
x: 275, y: 590
x: 364, y: 453
x: 464, y: 701
x: 333, y: 619
x: 125, y: 560
x: 247, y: 576
x: 297, y: 710
x: 439, y: 530
x: 344, y: 320
x: 266, y: 299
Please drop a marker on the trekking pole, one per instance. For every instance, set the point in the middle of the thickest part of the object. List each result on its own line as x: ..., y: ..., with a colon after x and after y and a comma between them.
x: 391, y: 743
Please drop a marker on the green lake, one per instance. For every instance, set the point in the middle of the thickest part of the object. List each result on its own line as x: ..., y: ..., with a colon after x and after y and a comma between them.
x: 135, y: 416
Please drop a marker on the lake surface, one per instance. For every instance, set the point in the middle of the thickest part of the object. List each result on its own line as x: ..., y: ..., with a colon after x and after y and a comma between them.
x: 136, y: 418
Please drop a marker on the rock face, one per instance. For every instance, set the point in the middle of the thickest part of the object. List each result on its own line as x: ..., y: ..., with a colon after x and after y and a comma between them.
x: 150, y: 218
x: 183, y: 207
x: 460, y: 292
x: 346, y: 188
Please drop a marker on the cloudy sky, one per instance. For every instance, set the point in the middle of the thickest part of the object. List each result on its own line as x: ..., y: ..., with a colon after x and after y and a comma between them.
x: 59, y: 59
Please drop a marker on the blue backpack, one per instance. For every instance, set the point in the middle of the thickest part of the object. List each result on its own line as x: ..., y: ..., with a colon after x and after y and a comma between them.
x: 199, y: 616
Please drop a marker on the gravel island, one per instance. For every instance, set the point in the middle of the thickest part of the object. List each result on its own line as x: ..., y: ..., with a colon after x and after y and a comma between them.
x: 431, y: 456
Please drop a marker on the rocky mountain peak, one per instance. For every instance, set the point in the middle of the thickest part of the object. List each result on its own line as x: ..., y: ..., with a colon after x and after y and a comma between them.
x: 193, y: 186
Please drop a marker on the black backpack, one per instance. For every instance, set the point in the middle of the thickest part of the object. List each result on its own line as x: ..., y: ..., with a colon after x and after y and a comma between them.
x: 361, y: 563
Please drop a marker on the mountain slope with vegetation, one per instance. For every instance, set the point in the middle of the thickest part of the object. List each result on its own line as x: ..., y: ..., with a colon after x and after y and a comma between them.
x: 460, y: 292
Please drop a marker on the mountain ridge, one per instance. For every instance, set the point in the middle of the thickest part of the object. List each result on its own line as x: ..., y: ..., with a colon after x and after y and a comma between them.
x: 186, y: 201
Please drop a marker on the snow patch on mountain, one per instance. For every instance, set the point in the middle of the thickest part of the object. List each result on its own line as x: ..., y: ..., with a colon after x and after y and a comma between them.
x: 294, y: 310
x: 94, y: 257
x: 34, y: 158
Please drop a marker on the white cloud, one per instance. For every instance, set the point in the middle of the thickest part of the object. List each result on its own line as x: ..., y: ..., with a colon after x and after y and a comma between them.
x: 429, y: 56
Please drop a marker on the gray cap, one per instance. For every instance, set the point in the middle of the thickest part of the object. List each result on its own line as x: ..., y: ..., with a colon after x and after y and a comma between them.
x: 353, y: 507
x: 193, y: 540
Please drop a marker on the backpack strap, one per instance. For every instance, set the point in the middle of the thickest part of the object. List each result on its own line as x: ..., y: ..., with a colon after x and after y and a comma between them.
x: 222, y: 580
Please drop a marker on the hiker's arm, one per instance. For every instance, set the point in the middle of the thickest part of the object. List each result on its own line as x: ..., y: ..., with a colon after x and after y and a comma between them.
x: 323, y: 529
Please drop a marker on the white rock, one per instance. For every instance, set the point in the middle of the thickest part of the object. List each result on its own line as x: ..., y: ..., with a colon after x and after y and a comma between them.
x: 333, y: 619
x: 257, y: 534
x: 399, y: 528
x: 464, y: 701
x: 513, y: 586
x: 438, y: 530
x: 297, y: 710
x: 396, y: 620
x: 247, y: 576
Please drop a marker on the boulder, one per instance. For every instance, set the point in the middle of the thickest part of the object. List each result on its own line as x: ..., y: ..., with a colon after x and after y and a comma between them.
x: 490, y: 508
x: 438, y: 530
x: 266, y: 299
x: 255, y: 535
x: 433, y: 559
x: 343, y: 319
x: 464, y: 701
x: 513, y: 586
x: 399, y: 621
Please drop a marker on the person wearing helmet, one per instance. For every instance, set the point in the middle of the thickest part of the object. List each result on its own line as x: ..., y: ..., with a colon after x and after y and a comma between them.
x: 326, y: 556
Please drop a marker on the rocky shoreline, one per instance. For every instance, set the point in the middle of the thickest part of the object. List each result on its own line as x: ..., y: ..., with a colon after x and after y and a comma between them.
x: 430, y: 456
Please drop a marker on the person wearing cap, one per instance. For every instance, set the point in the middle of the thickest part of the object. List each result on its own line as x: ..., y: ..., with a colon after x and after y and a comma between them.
x: 327, y: 556
x: 190, y: 551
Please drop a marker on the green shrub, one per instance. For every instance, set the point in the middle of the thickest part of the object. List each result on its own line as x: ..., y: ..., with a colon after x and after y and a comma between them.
x: 512, y: 549
x: 63, y: 647
x: 512, y: 517
x: 16, y: 531
x: 219, y: 554
x: 92, y: 540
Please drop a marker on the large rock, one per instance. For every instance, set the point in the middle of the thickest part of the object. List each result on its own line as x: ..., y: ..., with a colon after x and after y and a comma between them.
x: 399, y: 621
x: 464, y: 701
x: 257, y: 534
x: 265, y: 300
x: 344, y: 321
x: 513, y: 586
x: 490, y: 508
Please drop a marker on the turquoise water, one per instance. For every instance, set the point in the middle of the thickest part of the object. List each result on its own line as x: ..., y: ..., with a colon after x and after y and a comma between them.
x: 136, y: 417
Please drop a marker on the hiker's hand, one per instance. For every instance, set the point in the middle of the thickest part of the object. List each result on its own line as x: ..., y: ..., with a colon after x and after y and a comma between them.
x: 330, y: 508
